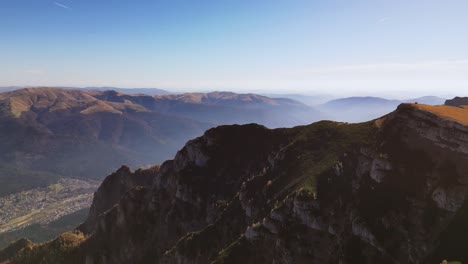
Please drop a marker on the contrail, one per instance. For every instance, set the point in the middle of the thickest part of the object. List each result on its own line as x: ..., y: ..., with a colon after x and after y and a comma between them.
x: 61, y: 5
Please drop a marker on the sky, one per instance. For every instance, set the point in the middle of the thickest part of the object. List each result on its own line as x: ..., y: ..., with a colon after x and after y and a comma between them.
x: 397, y: 48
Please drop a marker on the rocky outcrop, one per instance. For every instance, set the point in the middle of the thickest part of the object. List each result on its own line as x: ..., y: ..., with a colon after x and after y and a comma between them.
x: 457, y: 101
x: 417, y: 125
x: 113, y: 188
x: 386, y: 191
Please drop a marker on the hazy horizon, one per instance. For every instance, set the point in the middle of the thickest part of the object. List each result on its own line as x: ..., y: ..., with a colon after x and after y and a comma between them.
x: 396, y: 49
x: 326, y: 96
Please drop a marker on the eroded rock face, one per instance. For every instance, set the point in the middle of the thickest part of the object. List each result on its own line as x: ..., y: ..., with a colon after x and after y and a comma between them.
x: 326, y: 193
x: 113, y: 188
x: 188, y: 193
x: 388, y: 204
x: 417, y: 124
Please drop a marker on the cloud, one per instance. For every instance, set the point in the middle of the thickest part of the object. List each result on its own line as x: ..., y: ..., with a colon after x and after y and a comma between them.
x: 62, y: 5
x: 383, y: 19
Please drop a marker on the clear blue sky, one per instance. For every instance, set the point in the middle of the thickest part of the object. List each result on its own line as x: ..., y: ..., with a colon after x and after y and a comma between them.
x: 310, y: 46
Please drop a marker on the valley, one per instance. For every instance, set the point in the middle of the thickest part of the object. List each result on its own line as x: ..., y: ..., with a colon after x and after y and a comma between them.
x: 45, y: 205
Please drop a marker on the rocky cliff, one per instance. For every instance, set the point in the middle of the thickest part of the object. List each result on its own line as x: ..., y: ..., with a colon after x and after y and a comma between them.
x: 391, y: 190
x: 113, y: 188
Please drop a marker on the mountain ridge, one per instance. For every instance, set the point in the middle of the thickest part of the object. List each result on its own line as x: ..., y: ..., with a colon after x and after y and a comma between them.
x: 401, y: 177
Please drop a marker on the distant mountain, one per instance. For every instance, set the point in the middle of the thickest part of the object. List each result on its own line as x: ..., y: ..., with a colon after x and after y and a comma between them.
x: 430, y: 100
x: 47, y: 133
x: 310, y: 100
x: 228, y: 108
x: 9, y: 88
x: 360, y: 109
x: 148, y: 91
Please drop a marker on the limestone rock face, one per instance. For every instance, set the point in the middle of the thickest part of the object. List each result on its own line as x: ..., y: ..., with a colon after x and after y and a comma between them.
x: 387, y: 191
x: 113, y: 188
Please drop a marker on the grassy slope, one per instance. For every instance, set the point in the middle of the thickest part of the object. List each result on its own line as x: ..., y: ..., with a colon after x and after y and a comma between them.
x: 459, y: 114
x: 317, y: 147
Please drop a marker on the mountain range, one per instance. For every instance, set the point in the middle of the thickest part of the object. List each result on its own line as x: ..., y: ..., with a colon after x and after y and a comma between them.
x: 391, y: 190
x: 148, y: 91
x: 47, y: 133
x: 315, y: 107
